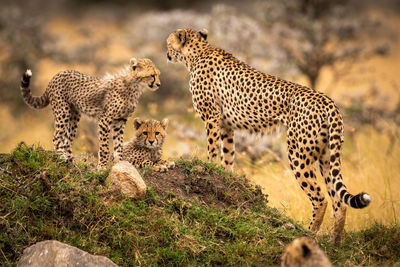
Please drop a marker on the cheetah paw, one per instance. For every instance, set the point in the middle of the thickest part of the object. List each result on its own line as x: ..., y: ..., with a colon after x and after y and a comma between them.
x: 171, y: 165
x: 160, y: 168
x: 66, y: 158
x: 101, y: 167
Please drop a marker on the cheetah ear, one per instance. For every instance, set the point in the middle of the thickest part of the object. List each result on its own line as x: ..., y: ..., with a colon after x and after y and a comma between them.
x: 305, y: 250
x: 133, y: 63
x: 204, y: 33
x: 182, y: 37
x: 164, y: 123
x: 137, y: 122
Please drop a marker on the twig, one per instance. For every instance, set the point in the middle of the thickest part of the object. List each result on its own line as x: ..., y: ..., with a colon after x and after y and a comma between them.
x: 4, y: 256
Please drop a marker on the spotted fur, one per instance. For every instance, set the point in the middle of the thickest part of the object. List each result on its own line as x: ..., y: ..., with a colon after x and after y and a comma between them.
x: 110, y: 99
x: 145, y: 149
x: 229, y: 95
x: 303, y: 252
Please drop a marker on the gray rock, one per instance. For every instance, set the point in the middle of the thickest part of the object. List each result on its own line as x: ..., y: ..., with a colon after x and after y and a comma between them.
x: 52, y: 253
x: 124, y: 178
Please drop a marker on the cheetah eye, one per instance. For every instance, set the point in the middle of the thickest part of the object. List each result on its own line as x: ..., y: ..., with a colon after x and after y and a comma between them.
x: 153, y: 76
x: 145, y: 133
x: 157, y: 133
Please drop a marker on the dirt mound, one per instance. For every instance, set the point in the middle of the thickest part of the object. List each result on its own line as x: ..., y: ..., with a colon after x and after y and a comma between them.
x: 207, y: 183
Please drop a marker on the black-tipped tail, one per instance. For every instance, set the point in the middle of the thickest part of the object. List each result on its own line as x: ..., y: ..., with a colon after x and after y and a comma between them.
x: 26, y: 77
x: 359, y: 201
x: 32, y: 101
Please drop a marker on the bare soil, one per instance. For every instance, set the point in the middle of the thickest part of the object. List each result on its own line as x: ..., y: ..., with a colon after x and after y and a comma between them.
x: 207, y: 185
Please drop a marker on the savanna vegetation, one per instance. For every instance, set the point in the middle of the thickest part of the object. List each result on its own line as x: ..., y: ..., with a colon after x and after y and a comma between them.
x: 348, y: 49
x: 209, y: 218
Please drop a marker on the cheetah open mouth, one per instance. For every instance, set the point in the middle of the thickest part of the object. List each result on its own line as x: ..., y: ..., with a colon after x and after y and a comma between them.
x: 153, y: 87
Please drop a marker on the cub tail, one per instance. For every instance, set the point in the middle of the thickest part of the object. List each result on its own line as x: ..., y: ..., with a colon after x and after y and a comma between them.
x: 32, y: 101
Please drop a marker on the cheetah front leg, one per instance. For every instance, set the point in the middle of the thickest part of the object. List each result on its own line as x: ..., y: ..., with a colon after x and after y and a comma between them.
x: 228, y: 148
x: 158, y: 167
x: 169, y: 164
x: 104, y: 134
x: 213, y: 138
x: 118, y: 135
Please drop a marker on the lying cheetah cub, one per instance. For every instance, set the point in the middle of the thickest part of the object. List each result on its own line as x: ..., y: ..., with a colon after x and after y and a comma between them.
x: 145, y: 149
x: 110, y: 99
x: 303, y: 252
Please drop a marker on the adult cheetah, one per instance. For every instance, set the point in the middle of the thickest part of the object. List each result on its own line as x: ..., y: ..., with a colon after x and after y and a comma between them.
x: 229, y: 95
x: 110, y: 99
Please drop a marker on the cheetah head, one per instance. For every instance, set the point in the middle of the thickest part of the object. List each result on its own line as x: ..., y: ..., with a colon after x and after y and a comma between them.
x: 304, y: 252
x: 150, y: 133
x: 182, y: 44
x: 144, y: 70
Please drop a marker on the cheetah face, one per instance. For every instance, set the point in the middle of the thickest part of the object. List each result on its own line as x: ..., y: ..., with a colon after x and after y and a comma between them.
x: 304, y: 252
x: 181, y: 41
x: 146, y: 72
x: 150, y: 133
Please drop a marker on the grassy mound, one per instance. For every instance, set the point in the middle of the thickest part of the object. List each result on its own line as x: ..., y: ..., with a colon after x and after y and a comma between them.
x: 193, y: 215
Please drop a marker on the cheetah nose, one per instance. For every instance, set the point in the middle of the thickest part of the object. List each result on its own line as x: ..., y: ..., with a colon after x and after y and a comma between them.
x: 158, y: 85
x: 169, y: 57
x: 151, y: 142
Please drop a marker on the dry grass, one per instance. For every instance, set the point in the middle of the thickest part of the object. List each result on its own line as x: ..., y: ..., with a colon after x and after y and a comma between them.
x: 366, y: 167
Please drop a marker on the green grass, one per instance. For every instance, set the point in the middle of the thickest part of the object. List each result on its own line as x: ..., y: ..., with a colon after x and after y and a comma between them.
x: 67, y: 205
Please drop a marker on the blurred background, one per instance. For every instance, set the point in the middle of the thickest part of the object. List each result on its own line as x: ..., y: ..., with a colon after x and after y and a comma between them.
x: 347, y: 49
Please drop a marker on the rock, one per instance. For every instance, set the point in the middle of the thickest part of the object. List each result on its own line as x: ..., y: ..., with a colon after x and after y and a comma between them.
x: 124, y: 178
x: 289, y: 226
x: 199, y: 169
x: 53, y: 253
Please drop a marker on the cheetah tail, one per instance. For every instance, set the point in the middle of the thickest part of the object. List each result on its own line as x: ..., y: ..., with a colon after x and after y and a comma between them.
x: 32, y: 101
x: 336, y: 130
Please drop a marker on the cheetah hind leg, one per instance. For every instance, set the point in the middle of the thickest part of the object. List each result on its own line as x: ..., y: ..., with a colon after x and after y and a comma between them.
x: 304, y: 172
x: 71, y: 132
x: 213, y: 139
x: 338, y: 208
x: 338, y: 227
x: 61, y: 142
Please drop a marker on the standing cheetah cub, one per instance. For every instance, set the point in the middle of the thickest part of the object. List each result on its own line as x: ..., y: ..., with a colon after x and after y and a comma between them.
x: 110, y: 99
x: 145, y: 149
x: 303, y: 252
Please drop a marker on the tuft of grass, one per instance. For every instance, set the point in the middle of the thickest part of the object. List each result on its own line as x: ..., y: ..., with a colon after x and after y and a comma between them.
x: 374, y: 246
x: 44, y: 198
x: 192, y: 166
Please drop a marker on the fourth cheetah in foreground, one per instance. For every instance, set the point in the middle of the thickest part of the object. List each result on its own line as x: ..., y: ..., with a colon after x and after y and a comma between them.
x: 229, y: 95
x: 303, y: 252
